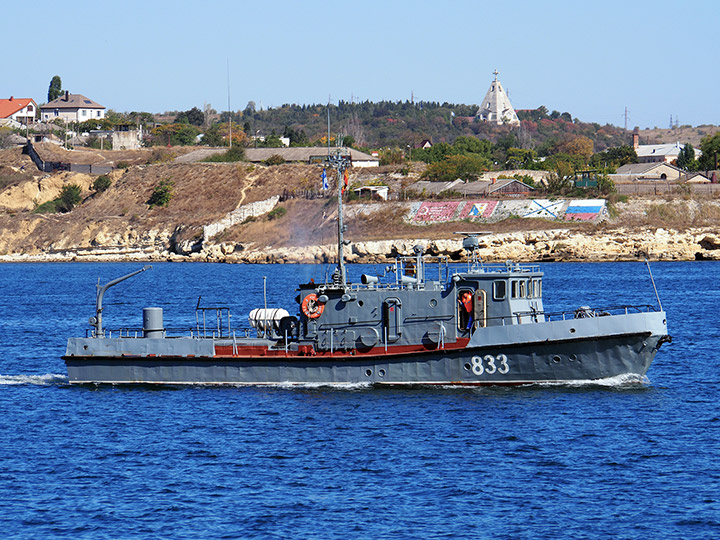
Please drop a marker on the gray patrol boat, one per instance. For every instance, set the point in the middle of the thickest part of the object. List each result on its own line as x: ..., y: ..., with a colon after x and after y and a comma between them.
x: 424, y: 321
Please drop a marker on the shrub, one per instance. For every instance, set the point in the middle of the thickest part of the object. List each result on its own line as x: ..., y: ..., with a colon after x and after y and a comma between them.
x: 236, y: 153
x: 101, y: 183
x: 160, y: 155
x: 277, y: 212
x: 123, y: 165
x: 275, y: 159
x: 162, y: 194
x: 49, y: 207
x: 69, y: 197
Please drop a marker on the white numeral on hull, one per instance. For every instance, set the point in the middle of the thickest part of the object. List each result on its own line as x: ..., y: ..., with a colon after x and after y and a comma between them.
x: 490, y: 364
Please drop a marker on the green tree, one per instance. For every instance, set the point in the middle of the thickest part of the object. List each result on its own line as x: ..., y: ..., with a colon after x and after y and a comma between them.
x: 559, y: 180
x: 69, y: 197
x: 174, y: 134
x: 467, y: 167
x: 686, y: 158
x: 710, y: 146
x: 615, y: 157
x: 55, y: 88
x: 605, y: 185
x: 518, y: 158
x: 194, y: 117
x: 143, y: 118
x: 391, y: 156
x: 438, y: 152
x: 472, y: 145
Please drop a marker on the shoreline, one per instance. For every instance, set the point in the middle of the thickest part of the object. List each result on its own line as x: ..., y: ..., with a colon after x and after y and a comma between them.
x: 554, y: 245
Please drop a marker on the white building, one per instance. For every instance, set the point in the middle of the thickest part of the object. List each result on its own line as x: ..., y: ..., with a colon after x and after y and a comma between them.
x: 21, y: 110
x: 496, y: 106
x: 658, y: 153
x: 72, y: 108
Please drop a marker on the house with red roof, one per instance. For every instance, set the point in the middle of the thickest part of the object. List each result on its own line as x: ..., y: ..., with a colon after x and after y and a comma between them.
x: 19, y: 109
x: 72, y: 108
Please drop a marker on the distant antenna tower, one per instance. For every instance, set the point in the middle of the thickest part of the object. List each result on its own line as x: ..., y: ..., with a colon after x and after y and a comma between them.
x: 412, y: 97
x: 671, y: 122
x: 626, y: 118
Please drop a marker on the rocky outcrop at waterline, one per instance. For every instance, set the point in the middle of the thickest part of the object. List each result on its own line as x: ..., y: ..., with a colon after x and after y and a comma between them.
x: 559, y: 245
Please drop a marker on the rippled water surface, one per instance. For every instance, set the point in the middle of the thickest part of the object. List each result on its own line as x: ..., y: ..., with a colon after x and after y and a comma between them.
x: 617, y: 460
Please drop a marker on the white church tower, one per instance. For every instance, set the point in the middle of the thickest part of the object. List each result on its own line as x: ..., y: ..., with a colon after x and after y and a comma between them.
x: 496, y: 106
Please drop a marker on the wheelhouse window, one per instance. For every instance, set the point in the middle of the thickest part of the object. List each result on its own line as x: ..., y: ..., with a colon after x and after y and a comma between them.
x: 536, y: 288
x: 499, y: 290
x: 523, y: 287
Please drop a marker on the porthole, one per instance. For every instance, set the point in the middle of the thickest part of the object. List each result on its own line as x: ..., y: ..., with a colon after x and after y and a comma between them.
x: 572, y: 330
x: 381, y: 372
x: 466, y: 367
x: 572, y: 357
x: 556, y: 359
x: 360, y: 303
x: 368, y: 372
x: 433, y: 303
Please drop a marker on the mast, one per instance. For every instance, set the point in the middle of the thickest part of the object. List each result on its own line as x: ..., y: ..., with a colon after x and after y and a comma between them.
x: 340, y: 163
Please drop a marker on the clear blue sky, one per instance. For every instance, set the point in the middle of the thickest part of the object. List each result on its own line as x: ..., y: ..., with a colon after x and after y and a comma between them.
x: 589, y: 58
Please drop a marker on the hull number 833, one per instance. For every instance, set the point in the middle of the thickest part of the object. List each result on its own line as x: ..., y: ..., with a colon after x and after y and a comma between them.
x: 490, y: 364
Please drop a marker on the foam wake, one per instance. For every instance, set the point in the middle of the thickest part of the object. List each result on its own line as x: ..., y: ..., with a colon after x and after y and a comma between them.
x: 310, y: 385
x: 628, y: 379
x: 38, y: 380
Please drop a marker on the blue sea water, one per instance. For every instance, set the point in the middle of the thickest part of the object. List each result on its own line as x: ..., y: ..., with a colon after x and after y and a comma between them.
x: 606, y: 460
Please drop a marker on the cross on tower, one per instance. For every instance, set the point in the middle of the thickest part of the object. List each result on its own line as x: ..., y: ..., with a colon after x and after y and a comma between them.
x: 496, y: 72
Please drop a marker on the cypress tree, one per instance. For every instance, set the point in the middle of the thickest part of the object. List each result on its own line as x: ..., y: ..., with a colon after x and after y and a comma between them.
x: 55, y: 89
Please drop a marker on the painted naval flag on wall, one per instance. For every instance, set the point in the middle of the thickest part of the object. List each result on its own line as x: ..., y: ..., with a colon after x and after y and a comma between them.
x: 584, y: 210
x: 544, y: 208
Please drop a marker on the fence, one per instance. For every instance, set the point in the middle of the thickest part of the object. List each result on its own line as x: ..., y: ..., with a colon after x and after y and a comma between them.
x: 51, y: 166
x: 666, y: 188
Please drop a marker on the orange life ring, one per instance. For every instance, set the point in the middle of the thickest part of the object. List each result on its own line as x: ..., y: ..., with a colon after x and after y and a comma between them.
x: 311, y: 307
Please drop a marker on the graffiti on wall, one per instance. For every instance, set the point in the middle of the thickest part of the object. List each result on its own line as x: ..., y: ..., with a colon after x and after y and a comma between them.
x: 478, y: 210
x: 428, y: 212
x: 436, y: 212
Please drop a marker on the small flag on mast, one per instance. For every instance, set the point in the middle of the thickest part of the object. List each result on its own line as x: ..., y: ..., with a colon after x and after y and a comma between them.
x: 324, y: 181
x: 345, y: 178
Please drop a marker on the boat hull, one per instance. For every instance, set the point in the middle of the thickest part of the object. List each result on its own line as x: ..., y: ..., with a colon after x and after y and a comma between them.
x: 580, y: 359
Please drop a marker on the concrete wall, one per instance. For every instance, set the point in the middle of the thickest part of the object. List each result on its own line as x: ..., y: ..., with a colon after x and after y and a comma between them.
x: 126, y: 140
x: 239, y: 215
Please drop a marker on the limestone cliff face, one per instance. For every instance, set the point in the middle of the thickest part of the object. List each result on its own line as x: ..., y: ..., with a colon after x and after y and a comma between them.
x: 552, y: 245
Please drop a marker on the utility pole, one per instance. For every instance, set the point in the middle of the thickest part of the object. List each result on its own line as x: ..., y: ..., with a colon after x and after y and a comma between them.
x: 229, y: 111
